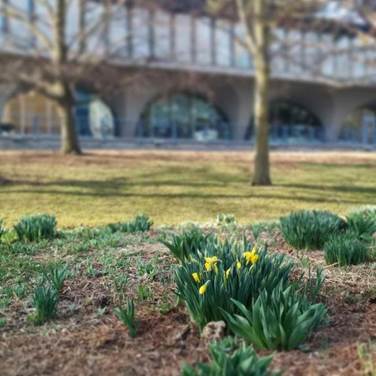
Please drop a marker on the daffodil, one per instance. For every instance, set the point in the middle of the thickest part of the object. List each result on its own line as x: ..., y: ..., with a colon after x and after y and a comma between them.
x: 251, y: 256
x: 238, y: 265
x: 196, y: 277
x: 203, y: 288
x: 211, y: 263
x: 254, y: 259
x: 227, y: 273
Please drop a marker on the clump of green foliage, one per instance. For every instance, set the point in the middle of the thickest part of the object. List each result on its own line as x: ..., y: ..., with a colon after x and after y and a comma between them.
x: 229, y: 359
x: 232, y: 281
x: 36, y: 227
x: 188, y: 243
x: 45, y: 301
x: 346, y: 249
x: 310, y: 229
x: 56, y: 275
x: 141, y: 223
x: 280, y: 320
x: 127, y: 316
x: 208, y: 281
x: 226, y: 221
x: 362, y: 222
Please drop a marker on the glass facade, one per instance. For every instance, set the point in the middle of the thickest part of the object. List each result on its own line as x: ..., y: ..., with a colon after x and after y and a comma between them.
x: 147, y: 35
x: 360, y: 126
x: 185, y: 116
x: 32, y: 113
x: 290, y: 122
x: 138, y: 36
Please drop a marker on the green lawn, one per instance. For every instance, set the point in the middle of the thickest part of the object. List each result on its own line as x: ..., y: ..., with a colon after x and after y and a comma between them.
x: 174, y: 187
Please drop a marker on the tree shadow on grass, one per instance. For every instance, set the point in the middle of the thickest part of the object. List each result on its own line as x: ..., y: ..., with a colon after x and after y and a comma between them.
x: 190, y: 195
x: 113, y: 187
x: 334, y: 188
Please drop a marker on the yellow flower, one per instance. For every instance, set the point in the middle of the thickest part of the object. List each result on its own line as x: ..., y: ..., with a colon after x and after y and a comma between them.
x: 251, y: 256
x: 211, y: 263
x: 227, y: 273
x: 196, y: 277
x: 203, y: 288
x: 254, y: 259
x: 238, y: 265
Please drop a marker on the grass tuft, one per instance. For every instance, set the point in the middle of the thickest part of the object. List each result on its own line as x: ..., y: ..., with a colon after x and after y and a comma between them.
x: 310, y: 229
x: 36, y: 228
x: 127, y: 316
x: 141, y: 223
x: 45, y: 300
x: 346, y: 249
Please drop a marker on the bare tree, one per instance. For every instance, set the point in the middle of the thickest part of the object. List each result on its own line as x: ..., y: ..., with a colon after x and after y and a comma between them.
x: 58, y: 44
x: 261, y: 18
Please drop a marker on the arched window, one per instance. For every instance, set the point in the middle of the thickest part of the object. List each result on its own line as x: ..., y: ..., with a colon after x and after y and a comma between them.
x: 183, y: 115
x: 291, y: 122
x: 360, y: 126
x: 93, y: 116
x: 32, y: 113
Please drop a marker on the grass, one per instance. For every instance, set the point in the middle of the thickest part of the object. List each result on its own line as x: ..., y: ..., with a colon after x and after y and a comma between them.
x: 171, y: 187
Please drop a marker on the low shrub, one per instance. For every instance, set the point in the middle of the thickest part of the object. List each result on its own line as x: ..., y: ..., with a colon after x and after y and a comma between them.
x: 225, y: 271
x: 187, y: 244
x: 36, y: 228
x: 310, y: 229
x: 141, y: 223
x: 227, y: 359
x: 45, y: 302
x: 363, y: 222
x: 128, y: 317
x: 345, y: 249
x: 281, y: 320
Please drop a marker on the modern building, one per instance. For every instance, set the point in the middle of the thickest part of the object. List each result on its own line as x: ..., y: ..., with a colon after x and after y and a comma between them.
x: 195, y: 78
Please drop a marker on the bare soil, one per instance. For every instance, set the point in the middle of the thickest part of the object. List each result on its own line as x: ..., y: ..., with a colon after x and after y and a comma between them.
x: 83, y: 342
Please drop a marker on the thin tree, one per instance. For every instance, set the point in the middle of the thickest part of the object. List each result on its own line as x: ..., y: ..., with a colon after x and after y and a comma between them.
x: 43, y: 52
x: 260, y: 19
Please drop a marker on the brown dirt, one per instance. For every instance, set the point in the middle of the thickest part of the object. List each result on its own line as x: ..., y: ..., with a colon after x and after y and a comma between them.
x: 85, y: 343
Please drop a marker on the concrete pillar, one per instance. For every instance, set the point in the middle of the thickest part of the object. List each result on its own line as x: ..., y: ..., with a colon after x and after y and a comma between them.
x: 235, y: 100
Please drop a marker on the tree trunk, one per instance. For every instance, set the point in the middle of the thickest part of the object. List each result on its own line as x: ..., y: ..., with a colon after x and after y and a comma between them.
x: 69, y: 139
x: 61, y: 88
x: 261, y: 174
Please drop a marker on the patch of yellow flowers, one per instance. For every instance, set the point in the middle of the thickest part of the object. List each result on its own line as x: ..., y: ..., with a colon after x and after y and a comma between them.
x: 251, y: 257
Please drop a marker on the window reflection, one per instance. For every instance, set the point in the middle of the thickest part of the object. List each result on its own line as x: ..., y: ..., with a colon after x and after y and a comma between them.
x: 360, y: 126
x: 185, y: 116
x: 290, y: 122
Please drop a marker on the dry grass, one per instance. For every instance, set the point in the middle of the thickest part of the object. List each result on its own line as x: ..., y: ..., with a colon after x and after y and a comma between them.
x: 176, y: 186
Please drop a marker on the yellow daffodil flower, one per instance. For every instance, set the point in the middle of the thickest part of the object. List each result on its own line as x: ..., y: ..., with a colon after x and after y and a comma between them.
x: 203, y: 288
x: 227, y: 273
x: 196, y: 277
x: 211, y: 263
x: 238, y: 265
x: 251, y: 256
x: 254, y: 259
